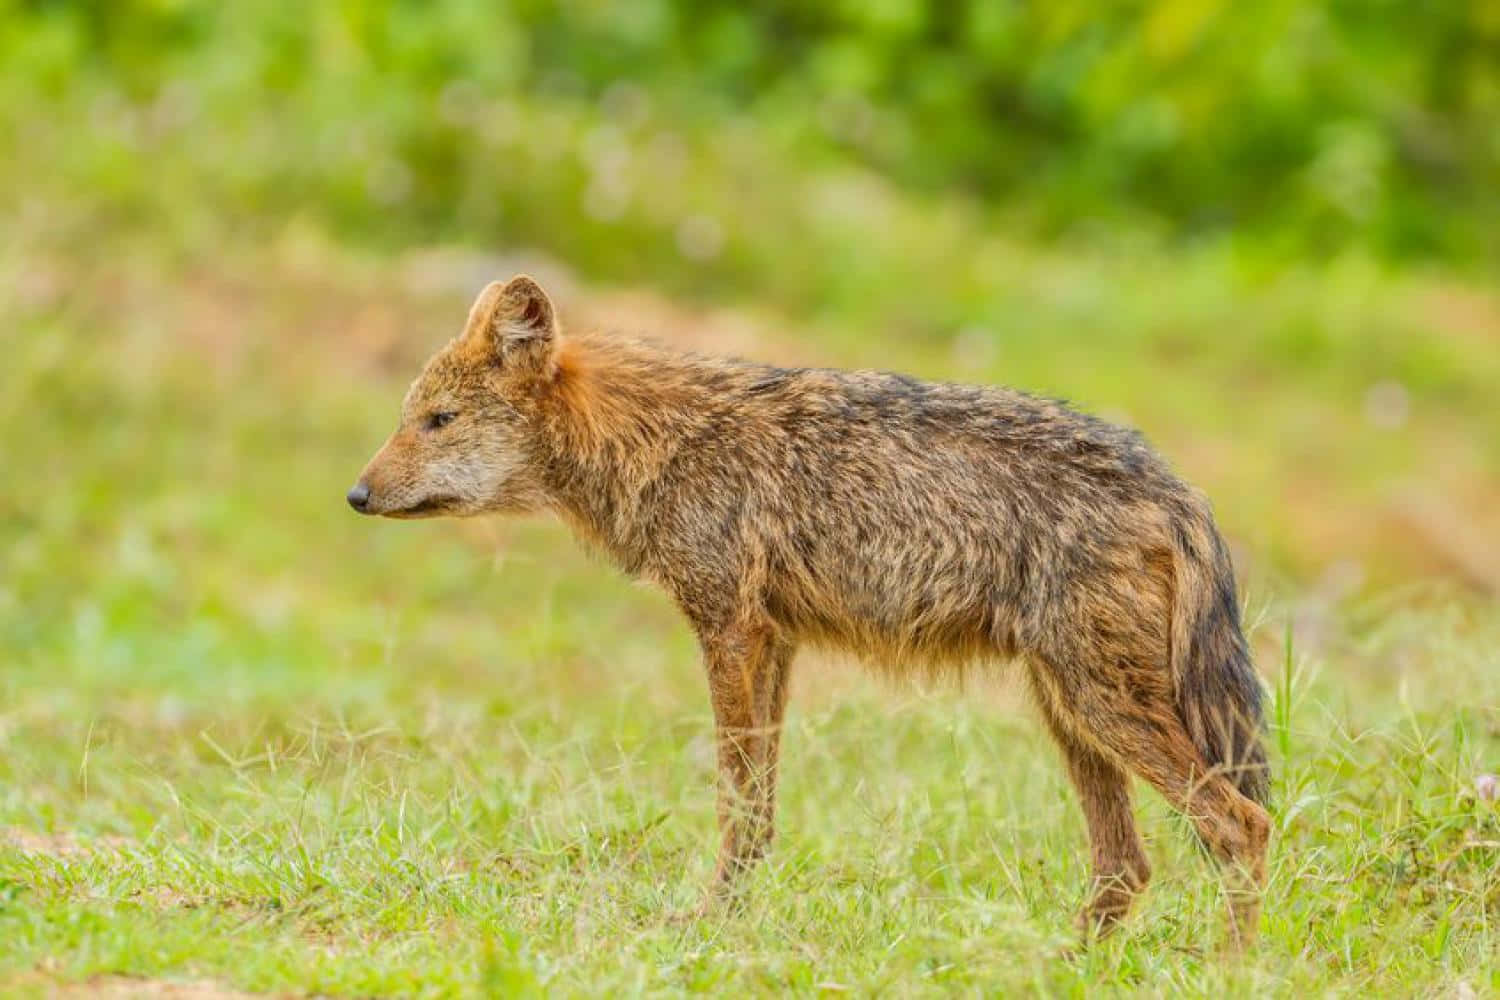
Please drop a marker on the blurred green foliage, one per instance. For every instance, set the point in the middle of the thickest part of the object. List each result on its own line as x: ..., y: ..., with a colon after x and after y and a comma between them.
x: 1305, y: 128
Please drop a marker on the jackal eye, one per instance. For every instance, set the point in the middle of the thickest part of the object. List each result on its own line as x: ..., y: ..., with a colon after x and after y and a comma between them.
x: 441, y: 419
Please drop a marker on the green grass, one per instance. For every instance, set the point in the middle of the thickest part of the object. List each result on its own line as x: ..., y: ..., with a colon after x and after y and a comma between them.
x: 247, y: 737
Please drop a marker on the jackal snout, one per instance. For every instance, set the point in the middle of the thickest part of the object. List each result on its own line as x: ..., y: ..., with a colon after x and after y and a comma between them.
x: 359, y: 496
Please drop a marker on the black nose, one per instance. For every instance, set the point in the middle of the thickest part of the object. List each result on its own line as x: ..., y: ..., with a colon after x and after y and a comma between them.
x: 359, y: 496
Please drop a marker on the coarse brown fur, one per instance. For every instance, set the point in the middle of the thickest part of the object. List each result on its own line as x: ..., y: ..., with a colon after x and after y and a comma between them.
x: 920, y: 525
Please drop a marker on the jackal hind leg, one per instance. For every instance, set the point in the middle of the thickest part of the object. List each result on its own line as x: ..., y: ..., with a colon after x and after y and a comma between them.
x: 1120, y: 870
x: 1128, y: 716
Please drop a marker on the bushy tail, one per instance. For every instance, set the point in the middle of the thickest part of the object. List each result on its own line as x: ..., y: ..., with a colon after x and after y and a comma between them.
x: 1218, y: 694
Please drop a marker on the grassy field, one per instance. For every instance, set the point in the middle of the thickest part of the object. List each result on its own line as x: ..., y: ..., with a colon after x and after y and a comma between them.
x: 250, y: 742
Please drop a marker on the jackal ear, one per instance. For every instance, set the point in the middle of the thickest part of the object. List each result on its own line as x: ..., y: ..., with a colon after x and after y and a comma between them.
x: 517, y: 321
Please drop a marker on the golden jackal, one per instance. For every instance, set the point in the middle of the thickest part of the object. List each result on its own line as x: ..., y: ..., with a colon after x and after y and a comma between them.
x: 911, y: 522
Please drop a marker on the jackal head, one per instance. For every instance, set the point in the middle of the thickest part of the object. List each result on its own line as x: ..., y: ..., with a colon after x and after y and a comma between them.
x: 464, y: 444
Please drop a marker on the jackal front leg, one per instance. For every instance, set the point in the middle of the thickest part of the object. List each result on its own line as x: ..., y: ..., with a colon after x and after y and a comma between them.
x: 747, y: 678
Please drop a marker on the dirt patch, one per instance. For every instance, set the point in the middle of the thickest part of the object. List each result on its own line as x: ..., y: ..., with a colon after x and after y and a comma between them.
x: 386, y: 320
x: 1469, y: 314
x: 131, y: 986
x: 1457, y: 540
x: 457, y: 275
x: 60, y: 845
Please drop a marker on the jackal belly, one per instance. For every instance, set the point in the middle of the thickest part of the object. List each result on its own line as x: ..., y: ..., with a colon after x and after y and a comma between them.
x: 927, y: 594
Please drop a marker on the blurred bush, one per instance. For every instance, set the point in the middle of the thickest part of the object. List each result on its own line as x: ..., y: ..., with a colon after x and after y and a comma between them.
x: 1307, y: 127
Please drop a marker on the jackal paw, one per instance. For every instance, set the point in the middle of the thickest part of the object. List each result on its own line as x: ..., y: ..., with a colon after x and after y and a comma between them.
x: 711, y: 907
